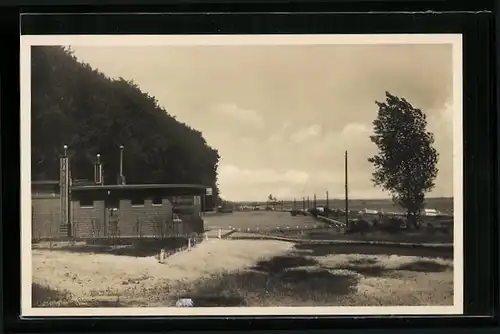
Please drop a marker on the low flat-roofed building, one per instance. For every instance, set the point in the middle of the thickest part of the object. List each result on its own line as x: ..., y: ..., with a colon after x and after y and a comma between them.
x: 132, y: 210
x: 136, y: 210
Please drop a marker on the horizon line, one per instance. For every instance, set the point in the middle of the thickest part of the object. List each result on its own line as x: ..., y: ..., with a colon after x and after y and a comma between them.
x: 334, y: 199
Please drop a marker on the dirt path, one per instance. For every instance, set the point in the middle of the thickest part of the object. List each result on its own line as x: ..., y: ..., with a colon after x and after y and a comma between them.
x: 85, y: 276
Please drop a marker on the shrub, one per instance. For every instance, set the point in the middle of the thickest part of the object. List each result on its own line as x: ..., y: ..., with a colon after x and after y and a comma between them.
x: 358, y: 226
x: 315, y: 212
x: 391, y: 225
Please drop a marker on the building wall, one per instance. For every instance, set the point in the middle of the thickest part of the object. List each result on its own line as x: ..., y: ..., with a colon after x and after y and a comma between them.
x: 45, y: 211
x: 138, y: 220
x: 88, y: 221
x: 144, y: 220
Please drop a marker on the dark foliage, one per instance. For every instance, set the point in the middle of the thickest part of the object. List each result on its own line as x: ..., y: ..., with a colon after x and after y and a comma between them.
x: 358, y: 226
x: 406, y: 163
x: 76, y: 105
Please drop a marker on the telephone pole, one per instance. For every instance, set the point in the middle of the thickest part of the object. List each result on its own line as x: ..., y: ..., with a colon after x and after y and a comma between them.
x: 346, y: 194
x: 327, y: 206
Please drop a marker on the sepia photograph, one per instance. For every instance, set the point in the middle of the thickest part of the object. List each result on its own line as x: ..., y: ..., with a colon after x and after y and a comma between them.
x: 241, y: 175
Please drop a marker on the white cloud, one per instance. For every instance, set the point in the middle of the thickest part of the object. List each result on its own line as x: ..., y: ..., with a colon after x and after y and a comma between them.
x: 234, y: 175
x: 275, y: 138
x: 286, y: 125
x: 312, y: 131
x: 280, y: 134
x: 353, y: 137
x: 244, y: 115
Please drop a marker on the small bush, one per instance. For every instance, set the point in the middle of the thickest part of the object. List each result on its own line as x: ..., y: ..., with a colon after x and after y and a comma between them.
x: 358, y: 226
x: 315, y: 212
x: 391, y: 225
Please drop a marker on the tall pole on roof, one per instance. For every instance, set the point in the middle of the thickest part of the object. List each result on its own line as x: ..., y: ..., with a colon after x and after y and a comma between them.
x: 98, y: 170
x: 64, y: 188
x: 122, y: 181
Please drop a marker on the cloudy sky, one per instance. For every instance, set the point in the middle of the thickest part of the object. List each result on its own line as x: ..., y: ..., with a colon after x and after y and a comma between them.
x: 282, y: 116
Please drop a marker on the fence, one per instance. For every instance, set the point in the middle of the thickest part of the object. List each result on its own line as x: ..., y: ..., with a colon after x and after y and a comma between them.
x: 192, y: 241
x: 153, y: 226
x: 45, y: 225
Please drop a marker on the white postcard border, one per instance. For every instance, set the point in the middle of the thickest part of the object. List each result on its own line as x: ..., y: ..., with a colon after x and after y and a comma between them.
x: 185, y: 40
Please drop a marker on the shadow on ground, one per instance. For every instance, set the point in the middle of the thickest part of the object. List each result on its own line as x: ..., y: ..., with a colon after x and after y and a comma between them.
x: 282, y: 281
x: 44, y: 296
x: 424, y: 266
x: 142, y: 248
x: 278, y: 264
x: 331, y: 249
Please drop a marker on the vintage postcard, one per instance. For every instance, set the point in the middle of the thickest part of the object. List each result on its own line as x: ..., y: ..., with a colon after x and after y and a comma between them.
x: 241, y: 175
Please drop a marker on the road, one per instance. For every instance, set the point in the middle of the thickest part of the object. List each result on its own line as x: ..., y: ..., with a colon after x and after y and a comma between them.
x: 258, y: 219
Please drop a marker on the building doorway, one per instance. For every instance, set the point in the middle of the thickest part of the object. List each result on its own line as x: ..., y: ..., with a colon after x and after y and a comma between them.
x: 112, y: 215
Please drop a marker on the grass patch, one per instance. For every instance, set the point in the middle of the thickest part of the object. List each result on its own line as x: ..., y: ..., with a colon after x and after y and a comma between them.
x: 363, y: 262
x: 280, y: 281
x: 323, y: 250
x: 133, y: 248
x: 338, y: 234
x: 44, y: 296
x: 424, y: 266
x: 279, y: 264
x: 368, y: 271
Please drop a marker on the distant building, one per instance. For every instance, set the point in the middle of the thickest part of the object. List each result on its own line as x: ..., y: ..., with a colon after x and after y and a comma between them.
x: 370, y: 212
x: 430, y: 212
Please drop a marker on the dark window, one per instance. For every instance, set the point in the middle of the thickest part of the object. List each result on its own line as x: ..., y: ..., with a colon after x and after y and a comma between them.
x: 157, y: 201
x: 112, y: 202
x: 86, y: 202
x: 137, y: 201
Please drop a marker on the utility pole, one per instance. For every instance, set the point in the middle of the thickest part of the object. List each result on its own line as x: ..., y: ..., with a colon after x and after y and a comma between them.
x: 327, y: 209
x: 346, y: 194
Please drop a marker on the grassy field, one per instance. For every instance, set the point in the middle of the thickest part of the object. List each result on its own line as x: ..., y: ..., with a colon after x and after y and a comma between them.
x: 333, y: 234
x: 245, y: 273
x: 282, y: 224
x: 259, y: 219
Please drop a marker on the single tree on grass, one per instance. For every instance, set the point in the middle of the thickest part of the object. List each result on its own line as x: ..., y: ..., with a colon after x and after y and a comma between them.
x: 406, y: 163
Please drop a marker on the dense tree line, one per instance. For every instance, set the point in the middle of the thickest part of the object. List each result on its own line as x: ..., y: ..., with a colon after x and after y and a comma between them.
x: 73, y: 104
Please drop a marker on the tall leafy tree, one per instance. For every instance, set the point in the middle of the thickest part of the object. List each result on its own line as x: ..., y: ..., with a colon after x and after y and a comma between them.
x: 76, y: 105
x: 406, y: 163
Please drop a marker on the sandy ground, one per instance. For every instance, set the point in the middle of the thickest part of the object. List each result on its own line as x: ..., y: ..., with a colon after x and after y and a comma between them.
x: 88, y: 275
x: 244, y: 273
